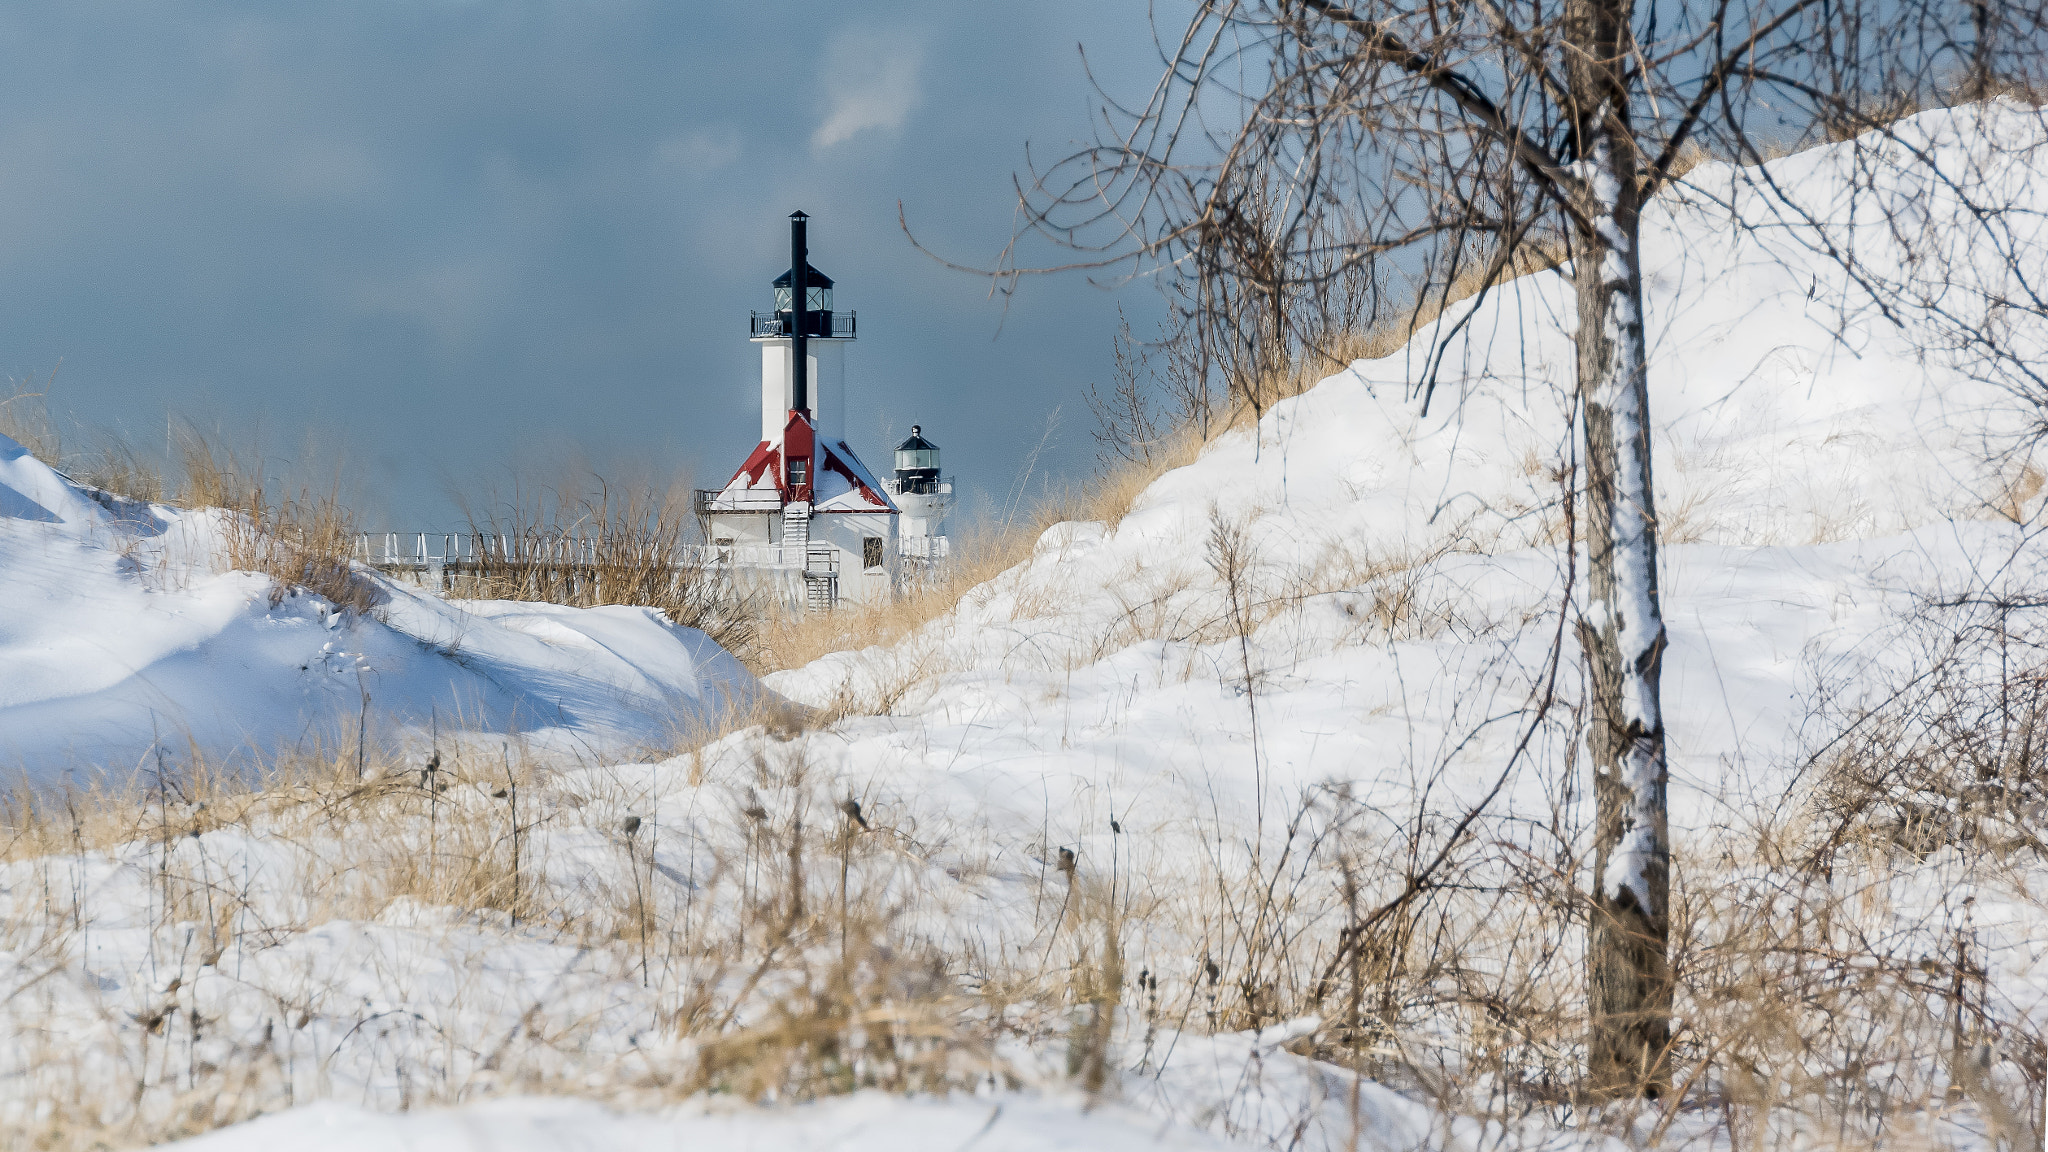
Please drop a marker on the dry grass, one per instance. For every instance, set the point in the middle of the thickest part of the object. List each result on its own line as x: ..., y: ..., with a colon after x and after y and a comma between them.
x: 2015, y: 500
x: 791, y: 639
x: 783, y: 969
x: 1833, y: 973
x: 592, y: 541
x: 105, y: 462
x: 302, y: 540
x: 25, y: 417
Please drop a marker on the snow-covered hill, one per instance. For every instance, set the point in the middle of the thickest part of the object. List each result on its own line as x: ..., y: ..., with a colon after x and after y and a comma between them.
x: 119, y: 637
x: 1823, y: 470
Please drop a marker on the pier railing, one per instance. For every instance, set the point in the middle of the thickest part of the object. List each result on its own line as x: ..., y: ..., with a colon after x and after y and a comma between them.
x: 444, y: 558
x: 484, y: 552
x: 439, y: 549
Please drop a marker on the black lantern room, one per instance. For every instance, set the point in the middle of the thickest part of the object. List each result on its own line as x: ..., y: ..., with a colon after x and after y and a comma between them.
x: 917, y: 463
x: 817, y: 301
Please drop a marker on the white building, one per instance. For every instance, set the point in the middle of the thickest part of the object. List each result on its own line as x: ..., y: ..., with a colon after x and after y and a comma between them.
x: 803, y: 516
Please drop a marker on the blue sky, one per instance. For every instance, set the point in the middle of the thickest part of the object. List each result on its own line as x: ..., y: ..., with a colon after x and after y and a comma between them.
x: 444, y: 240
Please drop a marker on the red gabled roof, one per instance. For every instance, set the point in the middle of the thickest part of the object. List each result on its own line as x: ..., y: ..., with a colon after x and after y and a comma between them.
x: 838, y: 460
x: 765, y: 458
x: 833, y: 457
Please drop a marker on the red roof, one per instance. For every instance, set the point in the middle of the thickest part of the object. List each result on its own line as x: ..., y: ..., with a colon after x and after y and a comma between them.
x: 839, y: 481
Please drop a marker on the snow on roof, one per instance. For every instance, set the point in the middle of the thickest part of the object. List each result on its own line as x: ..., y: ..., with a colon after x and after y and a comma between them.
x: 841, y: 463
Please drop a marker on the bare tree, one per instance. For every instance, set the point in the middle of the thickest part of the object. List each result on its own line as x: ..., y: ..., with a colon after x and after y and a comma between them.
x: 1291, y: 148
x: 1127, y: 423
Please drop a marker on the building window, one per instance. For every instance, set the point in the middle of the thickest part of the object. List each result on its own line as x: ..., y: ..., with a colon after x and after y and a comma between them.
x: 871, y: 552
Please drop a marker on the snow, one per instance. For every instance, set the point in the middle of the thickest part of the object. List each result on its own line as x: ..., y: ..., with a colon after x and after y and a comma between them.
x: 862, y: 1123
x: 1822, y: 476
x: 1809, y: 490
x: 119, y: 638
x: 1242, y: 1085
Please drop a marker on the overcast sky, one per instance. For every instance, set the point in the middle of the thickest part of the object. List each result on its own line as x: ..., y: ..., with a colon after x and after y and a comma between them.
x: 448, y: 236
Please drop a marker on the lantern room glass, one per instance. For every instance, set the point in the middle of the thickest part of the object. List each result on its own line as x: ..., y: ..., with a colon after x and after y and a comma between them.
x: 816, y: 299
x: 913, y: 458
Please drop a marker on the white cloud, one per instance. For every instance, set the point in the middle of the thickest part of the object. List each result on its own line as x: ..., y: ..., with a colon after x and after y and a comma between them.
x: 870, y: 81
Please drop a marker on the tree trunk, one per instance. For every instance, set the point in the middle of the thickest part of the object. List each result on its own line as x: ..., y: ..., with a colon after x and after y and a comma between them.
x: 1628, y: 972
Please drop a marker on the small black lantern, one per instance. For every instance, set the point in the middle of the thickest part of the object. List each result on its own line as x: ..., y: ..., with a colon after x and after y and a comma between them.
x: 917, y: 463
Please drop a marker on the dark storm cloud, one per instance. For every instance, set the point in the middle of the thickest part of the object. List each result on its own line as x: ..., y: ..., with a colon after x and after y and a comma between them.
x: 452, y: 234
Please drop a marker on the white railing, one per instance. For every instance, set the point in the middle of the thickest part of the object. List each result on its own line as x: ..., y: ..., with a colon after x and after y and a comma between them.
x: 748, y: 556
x: 447, y: 549
x: 431, y: 551
x: 417, y: 549
x: 711, y: 501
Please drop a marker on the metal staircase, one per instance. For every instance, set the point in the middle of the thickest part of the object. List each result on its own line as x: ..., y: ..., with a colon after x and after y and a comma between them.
x: 821, y: 566
x: 796, y: 527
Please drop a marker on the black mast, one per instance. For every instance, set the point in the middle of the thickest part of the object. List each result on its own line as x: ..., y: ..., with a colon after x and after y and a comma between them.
x: 799, y: 312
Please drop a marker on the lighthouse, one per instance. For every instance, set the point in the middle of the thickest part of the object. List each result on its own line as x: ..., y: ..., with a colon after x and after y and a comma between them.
x: 924, y: 494
x: 803, y: 514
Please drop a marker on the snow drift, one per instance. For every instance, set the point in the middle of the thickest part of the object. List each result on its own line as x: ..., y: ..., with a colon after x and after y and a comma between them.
x: 120, y: 642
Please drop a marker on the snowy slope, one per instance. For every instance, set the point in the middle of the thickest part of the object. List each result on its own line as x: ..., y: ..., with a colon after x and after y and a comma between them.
x: 1820, y: 472
x: 1828, y: 467
x: 117, y: 636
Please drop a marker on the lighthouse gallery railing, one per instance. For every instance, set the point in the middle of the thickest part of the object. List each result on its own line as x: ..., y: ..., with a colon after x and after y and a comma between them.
x: 773, y: 324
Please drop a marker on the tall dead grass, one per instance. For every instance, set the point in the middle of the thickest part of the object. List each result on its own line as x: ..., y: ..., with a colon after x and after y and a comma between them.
x: 592, y: 541
x: 25, y: 418
x: 104, y: 462
x: 762, y: 929
x: 773, y: 951
x: 301, y: 536
x: 303, y: 539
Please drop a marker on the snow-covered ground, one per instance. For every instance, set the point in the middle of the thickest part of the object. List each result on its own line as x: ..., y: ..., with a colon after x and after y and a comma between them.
x: 1824, y: 475
x: 1246, y: 1085
x: 119, y: 638
x: 1335, y: 620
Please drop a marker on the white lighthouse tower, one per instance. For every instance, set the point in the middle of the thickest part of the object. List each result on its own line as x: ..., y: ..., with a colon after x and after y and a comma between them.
x: 925, y: 494
x: 803, y: 513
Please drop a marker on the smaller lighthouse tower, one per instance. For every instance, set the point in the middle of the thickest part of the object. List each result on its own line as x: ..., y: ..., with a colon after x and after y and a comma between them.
x: 925, y: 494
x: 803, y: 513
